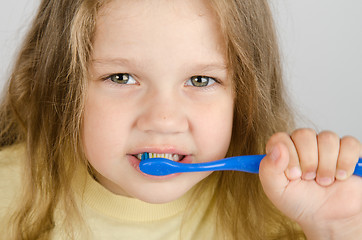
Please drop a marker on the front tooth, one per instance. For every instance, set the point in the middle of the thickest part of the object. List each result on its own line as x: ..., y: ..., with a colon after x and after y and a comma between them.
x: 175, y: 157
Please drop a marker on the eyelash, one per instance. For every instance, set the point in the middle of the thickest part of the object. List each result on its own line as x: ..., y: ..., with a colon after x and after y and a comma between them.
x: 189, y: 82
x: 121, y: 77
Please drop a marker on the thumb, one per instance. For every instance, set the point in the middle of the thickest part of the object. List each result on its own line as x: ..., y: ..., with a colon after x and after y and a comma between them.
x: 271, y: 171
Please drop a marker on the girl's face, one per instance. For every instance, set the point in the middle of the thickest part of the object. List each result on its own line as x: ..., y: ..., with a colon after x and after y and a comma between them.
x: 158, y: 84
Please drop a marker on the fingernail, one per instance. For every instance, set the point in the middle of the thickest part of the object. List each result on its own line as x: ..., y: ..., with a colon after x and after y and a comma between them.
x: 341, y: 174
x: 309, y: 176
x: 325, y: 181
x: 274, y: 154
x: 294, y: 173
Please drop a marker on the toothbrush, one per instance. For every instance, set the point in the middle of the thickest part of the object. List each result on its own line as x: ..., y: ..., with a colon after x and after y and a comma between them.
x: 250, y: 164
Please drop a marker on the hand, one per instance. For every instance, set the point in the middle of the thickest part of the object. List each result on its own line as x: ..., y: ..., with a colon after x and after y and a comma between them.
x: 309, y: 178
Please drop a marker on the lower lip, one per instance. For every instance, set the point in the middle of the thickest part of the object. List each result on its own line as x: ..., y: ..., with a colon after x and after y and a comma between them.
x: 135, y: 163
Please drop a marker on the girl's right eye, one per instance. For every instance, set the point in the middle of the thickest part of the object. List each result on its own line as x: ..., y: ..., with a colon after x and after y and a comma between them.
x: 122, y: 78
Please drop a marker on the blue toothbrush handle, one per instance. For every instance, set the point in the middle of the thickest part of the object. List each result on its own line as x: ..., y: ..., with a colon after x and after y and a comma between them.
x: 250, y: 163
x: 358, y: 169
x: 161, y: 166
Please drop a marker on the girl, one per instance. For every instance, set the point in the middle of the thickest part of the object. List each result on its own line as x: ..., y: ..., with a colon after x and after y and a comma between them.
x: 98, y: 83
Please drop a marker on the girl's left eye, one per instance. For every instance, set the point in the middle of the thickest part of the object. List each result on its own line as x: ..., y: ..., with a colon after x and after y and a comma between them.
x: 122, y: 78
x: 200, y: 81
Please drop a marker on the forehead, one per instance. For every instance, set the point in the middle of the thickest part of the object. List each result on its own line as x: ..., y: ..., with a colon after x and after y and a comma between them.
x: 127, y: 24
x: 124, y: 9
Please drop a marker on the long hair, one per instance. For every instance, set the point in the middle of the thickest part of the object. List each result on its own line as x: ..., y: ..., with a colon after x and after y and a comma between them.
x: 43, y: 107
x: 242, y: 209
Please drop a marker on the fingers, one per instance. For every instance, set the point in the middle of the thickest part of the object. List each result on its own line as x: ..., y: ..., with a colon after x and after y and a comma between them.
x: 328, y: 151
x: 350, y: 151
x: 272, y: 170
x: 305, y: 142
x: 293, y: 170
x: 322, y: 157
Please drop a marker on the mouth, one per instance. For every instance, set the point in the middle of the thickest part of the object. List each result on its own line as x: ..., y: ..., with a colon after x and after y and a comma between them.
x: 137, y: 157
x: 171, y: 156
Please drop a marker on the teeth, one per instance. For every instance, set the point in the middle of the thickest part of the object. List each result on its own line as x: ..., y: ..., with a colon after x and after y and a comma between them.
x: 173, y: 157
x: 176, y: 157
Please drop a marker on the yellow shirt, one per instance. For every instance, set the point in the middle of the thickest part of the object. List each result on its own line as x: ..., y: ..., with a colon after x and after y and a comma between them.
x: 110, y: 216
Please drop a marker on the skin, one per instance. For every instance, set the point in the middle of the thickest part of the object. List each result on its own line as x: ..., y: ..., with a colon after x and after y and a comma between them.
x: 308, y: 176
x: 163, y: 44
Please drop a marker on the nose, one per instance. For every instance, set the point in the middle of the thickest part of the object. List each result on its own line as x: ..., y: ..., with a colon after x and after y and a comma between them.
x: 163, y: 113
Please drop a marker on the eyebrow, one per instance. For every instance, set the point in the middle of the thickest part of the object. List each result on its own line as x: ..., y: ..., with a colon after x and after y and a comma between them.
x: 210, y: 67
x: 199, y: 67
x: 112, y: 61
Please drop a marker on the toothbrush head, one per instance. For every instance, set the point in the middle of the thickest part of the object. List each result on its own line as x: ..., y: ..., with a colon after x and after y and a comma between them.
x: 159, y: 166
x: 145, y: 156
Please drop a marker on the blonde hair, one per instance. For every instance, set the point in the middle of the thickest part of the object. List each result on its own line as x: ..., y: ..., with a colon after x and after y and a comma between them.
x: 242, y: 209
x: 43, y: 107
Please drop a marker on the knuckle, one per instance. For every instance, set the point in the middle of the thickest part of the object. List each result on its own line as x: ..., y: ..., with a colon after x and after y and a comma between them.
x: 351, y: 142
x: 304, y: 133
x: 328, y: 136
x: 280, y: 136
x: 277, y: 138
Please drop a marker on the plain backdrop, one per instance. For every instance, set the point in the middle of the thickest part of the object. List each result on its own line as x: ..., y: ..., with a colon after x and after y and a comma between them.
x: 321, y: 43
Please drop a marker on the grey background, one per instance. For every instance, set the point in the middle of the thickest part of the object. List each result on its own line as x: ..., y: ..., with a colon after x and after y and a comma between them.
x: 321, y: 43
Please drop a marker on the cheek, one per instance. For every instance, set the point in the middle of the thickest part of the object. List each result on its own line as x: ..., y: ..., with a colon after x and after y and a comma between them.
x: 104, y: 128
x: 213, y: 130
